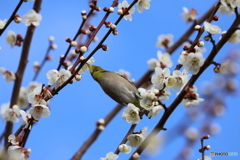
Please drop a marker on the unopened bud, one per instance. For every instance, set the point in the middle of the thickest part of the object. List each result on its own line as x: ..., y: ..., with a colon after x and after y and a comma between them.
x: 101, y: 127
x: 51, y: 38
x: 81, y: 58
x: 104, y: 47
x: 84, y: 17
x: 200, y: 44
x: 216, y: 69
x: 206, y: 38
x: 120, y: 12
x: 78, y: 77
x: 83, y: 49
x: 17, y: 19
x: 68, y: 40
x: 83, y: 13
x: 206, y: 137
x: 115, y: 32
x: 135, y: 156
x: 197, y: 27
x: 111, y: 9
x: 54, y: 46
x: 207, y: 147
x: 73, y: 43
x: 215, y: 18
x: 113, y: 26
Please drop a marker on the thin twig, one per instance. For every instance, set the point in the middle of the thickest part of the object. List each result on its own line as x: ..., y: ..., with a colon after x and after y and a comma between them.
x: 21, y: 69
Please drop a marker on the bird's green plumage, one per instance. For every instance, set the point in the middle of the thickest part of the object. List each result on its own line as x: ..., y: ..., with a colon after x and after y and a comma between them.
x: 115, y: 86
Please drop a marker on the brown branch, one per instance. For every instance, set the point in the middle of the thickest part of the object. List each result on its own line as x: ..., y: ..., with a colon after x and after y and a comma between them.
x: 191, y: 82
x: 11, y: 17
x: 75, y: 37
x: 21, y: 68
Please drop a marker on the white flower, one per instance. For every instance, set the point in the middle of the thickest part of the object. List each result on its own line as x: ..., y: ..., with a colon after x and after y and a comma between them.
x: 153, y: 63
x: 32, y: 18
x: 32, y: 86
x: 125, y: 148
x: 191, y: 133
x: 131, y: 114
x: 189, y: 15
x: 148, y: 100
x: 197, y: 49
x: 58, y: 78
x: 25, y: 118
x: 164, y: 41
x: 135, y: 139
x: 212, y: 29
x: 181, y: 79
x: 231, y: 3
x: 9, y: 76
x: 159, y: 78
x: 124, y: 73
x: 225, y: 9
x: 85, y: 66
x: 164, y: 58
x: 124, y: 6
x: 39, y: 110
x: 22, y: 101
x: 155, y: 111
x: 11, y: 38
x: 191, y: 98
x: 234, y: 37
x: 36, y: 96
x: 13, y: 139
x: 164, y: 94
x: 110, y: 156
x: 17, y: 153
x: 143, y: 4
x: 10, y: 114
x: 3, y: 23
x: 193, y: 62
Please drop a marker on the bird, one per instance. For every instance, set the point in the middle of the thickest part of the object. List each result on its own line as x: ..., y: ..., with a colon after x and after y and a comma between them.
x: 116, y: 86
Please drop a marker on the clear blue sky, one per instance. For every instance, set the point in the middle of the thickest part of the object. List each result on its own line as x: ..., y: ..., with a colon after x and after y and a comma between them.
x: 78, y: 106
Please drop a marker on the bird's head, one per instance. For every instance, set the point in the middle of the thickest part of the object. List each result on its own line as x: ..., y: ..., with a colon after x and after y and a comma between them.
x: 96, y: 71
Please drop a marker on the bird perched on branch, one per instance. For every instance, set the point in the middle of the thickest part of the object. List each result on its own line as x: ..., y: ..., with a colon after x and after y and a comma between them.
x: 116, y: 86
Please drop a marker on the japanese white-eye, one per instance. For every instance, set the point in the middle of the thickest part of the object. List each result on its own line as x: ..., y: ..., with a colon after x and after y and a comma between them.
x: 116, y: 86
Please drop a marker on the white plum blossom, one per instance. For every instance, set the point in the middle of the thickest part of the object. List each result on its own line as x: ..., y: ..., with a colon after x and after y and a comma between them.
x: 131, y: 114
x: 11, y: 38
x: 85, y: 67
x: 191, y: 133
x: 13, y: 139
x: 125, y: 148
x: 231, y: 3
x: 22, y: 101
x: 143, y: 4
x: 25, y: 117
x: 181, y: 79
x: 191, y: 98
x: 9, y: 76
x: 39, y: 110
x: 36, y: 96
x: 164, y: 94
x: 135, y: 139
x: 189, y: 15
x: 159, y: 78
x: 193, y: 62
x: 225, y: 9
x: 155, y: 111
x: 234, y: 37
x: 153, y: 63
x: 58, y: 78
x: 164, y: 41
x: 212, y: 29
x: 148, y: 99
x: 32, y: 18
x: 10, y: 114
x: 3, y: 23
x: 197, y: 49
x: 18, y: 153
x: 110, y: 156
x: 124, y: 73
x: 165, y: 58
x: 124, y: 6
